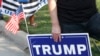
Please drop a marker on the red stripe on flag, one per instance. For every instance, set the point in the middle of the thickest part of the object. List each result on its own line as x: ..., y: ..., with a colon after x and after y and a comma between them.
x: 12, y: 25
x: 21, y: 15
x: 0, y: 3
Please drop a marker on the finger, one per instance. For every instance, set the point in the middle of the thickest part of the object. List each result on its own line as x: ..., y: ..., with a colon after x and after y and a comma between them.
x: 59, y: 38
x: 55, y: 37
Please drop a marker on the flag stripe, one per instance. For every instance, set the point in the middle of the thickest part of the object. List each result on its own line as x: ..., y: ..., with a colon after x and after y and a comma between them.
x: 0, y: 3
x: 9, y: 25
x: 31, y: 5
x: 12, y: 24
x: 21, y: 15
x: 29, y: 8
x: 9, y: 8
x: 11, y: 2
x: 10, y: 5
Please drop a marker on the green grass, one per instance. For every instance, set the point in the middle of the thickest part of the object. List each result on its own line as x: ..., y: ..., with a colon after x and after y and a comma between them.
x: 43, y: 21
x: 98, y: 5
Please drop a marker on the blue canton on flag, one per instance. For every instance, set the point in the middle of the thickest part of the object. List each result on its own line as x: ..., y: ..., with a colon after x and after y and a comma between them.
x: 19, y: 12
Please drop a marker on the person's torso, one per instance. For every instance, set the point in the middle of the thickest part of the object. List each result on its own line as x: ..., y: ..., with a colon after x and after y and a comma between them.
x: 76, y: 10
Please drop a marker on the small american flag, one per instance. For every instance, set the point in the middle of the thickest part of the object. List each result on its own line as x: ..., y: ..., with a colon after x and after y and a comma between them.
x: 13, y: 24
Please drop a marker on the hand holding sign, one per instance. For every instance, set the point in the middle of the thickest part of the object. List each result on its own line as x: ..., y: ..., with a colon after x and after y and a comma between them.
x: 56, y: 37
x: 56, y: 33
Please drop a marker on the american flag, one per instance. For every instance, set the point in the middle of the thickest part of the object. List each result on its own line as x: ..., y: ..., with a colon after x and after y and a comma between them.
x: 29, y: 8
x: 13, y: 24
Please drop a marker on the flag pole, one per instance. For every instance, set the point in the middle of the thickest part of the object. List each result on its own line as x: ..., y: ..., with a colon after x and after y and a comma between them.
x: 25, y: 19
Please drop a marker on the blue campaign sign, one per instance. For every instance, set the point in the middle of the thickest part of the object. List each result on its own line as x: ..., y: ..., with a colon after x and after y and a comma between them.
x: 23, y: 1
x: 71, y: 45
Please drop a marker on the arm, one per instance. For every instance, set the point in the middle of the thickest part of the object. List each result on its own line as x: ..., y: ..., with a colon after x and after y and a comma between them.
x: 54, y: 20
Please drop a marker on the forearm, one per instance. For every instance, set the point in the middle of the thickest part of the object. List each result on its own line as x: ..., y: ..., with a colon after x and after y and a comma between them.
x: 54, y: 19
x: 53, y: 12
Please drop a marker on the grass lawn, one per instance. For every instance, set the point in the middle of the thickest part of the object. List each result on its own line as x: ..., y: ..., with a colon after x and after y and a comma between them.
x: 98, y: 5
x: 43, y: 21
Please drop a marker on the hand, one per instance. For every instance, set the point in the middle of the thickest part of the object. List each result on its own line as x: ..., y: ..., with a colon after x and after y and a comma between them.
x: 56, y: 31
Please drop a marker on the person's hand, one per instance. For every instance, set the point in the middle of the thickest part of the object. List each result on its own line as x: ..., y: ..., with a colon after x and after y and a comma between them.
x: 56, y: 31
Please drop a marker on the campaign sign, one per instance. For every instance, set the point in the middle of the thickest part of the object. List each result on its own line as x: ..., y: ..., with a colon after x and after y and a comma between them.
x: 23, y: 1
x: 71, y: 45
